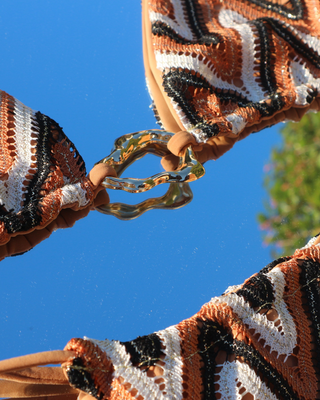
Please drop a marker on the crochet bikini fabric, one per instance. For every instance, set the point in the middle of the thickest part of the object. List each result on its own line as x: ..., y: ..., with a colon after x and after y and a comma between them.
x: 217, y: 71
x: 220, y: 68
x: 258, y: 341
x: 41, y: 171
x: 228, y: 68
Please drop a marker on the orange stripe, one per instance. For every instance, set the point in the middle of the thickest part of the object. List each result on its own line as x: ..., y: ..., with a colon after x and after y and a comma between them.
x: 303, y: 379
x: 119, y: 392
x: 7, y: 138
x: 192, y: 374
x: 95, y: 362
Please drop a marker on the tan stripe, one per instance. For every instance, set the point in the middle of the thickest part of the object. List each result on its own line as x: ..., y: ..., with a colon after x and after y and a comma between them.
x: 192, y: 375
x: 6, y: 133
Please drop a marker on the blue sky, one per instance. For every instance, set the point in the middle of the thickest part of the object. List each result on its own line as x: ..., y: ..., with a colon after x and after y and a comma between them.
x: 80, y: 62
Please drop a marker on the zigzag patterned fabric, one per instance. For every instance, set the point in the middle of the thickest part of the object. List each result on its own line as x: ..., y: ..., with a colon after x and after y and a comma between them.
x: 41, y: 171
x: 258, y: 341
x: 231, y: 67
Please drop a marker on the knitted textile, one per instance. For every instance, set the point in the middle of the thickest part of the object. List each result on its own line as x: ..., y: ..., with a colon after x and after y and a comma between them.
x: 41, y: 171
x: 260, y: 340
x: 228, y: 68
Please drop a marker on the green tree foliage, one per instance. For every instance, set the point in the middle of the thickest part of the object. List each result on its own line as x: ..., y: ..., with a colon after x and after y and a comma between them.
x: 292, y: 213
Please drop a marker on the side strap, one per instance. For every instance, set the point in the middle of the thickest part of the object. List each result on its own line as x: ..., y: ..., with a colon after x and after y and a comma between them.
x: 26, y: 390
x: 34, y: 360
x: 36, y: 375
x: 58, y: 397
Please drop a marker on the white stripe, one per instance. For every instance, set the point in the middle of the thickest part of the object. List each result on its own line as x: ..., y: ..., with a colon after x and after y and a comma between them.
x: 172, y: 371
x: 310, y: 243
x: 238, y: 123
x: 282, y: 342
x: 74, y: 193
x: 166, y: 61
x: 12, y: 194
x: 123, y: 368
x: 231, y: 19
x: 236, y: 376
x: 303, y: 80
x: 312, y: 41
x: 179, y: 15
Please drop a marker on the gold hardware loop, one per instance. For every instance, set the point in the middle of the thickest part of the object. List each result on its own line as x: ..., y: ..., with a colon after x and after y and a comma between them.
x: 132, y: 147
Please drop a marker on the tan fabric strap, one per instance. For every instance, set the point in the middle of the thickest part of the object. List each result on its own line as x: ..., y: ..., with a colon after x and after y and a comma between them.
x: 51, y: 375
x: 45, y: 397
x: 18, y: 390
x: 34, y: 360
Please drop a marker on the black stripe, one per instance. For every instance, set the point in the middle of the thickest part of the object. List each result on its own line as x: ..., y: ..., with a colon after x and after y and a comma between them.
x: 258, y: 290
x: 45, y: 155
x: 176, y: 84
x: 81, y: 379
x: 273, y: 264
x: 144, y: 350
x: 30, y: 215
x: 266, y: 71
x: 295, y: 13
x: 197, y: 25
x: 43, y: 160
x: 309, y: 279
x: 269, y: 375
x: 282, y: 29
x: 159, y: 28
x: 213, y: 338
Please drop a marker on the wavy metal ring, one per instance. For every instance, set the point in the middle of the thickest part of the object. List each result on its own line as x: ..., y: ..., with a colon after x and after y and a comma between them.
x: 132, y: 147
